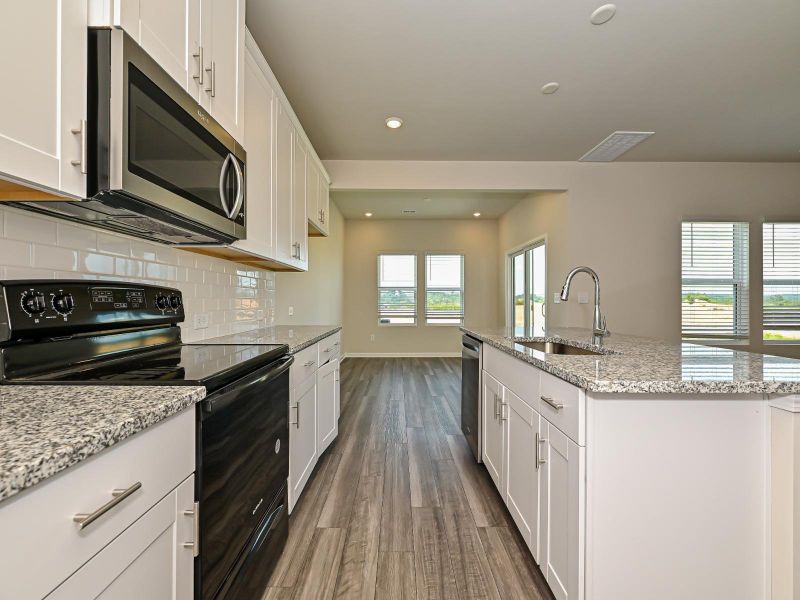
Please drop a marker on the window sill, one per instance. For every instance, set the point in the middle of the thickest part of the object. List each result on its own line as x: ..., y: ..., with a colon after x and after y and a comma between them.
x: 445, y: 324
x: 397, y: 324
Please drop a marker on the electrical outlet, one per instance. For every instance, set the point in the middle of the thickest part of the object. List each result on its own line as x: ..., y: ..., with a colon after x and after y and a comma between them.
x: 291, y: 311
x: 201, y: 321
x: 556, y: 298
x: 371, y: 337
x: 583, y: 298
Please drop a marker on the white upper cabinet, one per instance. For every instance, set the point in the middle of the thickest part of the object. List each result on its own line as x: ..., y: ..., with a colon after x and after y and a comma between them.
x: 259, y: 109
x: 43, y: 104
x: 222, y: 41
x: 284, y: 148
x: 299, y: 227
x: 317, y: 197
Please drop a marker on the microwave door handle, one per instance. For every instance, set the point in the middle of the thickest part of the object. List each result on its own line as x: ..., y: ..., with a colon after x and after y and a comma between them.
x: 223, y: 198
x: 239, y: 187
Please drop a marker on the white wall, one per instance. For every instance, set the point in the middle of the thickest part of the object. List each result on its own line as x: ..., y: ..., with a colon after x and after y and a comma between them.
x: 316, y: 295
x: 366, y: 239
x: 237, y: 298
x: 623, y: 219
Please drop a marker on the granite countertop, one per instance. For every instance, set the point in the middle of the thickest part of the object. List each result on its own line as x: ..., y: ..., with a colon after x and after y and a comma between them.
x: 634, y: 365
x: 45, y: 429
x: 297, y: 337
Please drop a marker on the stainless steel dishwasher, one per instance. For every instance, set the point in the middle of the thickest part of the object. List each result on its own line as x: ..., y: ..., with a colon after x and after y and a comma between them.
x: 471, y: 393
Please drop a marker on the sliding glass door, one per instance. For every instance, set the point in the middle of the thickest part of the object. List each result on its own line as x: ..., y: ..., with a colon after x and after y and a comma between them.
x: 528, y: 289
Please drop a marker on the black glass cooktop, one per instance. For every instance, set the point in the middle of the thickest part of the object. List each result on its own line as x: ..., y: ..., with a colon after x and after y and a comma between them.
x: 212, y: 366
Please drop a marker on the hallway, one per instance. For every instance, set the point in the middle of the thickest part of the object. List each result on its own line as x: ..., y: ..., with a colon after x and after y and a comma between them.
x: 397, y: 507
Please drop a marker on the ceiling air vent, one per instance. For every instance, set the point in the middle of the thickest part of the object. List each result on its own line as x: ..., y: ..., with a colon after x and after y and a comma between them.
x: 409, y: 211
x: 615, y: 145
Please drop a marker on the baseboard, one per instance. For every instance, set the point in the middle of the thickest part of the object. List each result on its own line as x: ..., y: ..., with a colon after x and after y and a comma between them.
x: 401, y: 355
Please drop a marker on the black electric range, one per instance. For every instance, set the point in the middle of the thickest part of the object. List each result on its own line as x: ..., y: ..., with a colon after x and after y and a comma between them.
x: 110, y: 333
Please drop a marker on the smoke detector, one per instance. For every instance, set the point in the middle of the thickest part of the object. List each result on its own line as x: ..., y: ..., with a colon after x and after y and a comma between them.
x: 615, y: 145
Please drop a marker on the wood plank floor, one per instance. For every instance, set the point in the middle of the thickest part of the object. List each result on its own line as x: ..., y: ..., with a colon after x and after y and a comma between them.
x: 397, y: 507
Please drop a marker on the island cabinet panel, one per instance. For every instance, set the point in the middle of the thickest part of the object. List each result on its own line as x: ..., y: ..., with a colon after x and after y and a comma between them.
x: 302, y: 436
x: 493, y: 431
x: 677, y: 497
x: 562, y: 514
x: 522, y: 464
x: 327, y: 422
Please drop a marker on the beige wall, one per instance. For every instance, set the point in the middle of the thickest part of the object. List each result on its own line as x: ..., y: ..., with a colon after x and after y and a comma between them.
x: 622, y: 219
x: 317, y: 294
x: 365, y: 240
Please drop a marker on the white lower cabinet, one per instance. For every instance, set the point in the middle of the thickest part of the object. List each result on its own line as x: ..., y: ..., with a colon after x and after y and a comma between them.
x: 302, y: 437
x: 148, y: 560
x: 493, y: 430
x: 327, y: 420
x: 562, y: 504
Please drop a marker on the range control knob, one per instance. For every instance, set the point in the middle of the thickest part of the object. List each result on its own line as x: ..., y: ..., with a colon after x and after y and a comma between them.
x: 63, y: 304
x: 34, y: 303
x: 175, y: 301
x: 162, y: 302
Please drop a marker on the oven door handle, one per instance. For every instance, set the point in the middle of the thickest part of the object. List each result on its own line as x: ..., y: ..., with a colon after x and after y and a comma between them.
x: 230, y: 394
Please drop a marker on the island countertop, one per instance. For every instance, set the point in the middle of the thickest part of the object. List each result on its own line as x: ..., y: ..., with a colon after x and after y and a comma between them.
x: 46, y: 428
x: 297, y: 337
x: 639, y: 365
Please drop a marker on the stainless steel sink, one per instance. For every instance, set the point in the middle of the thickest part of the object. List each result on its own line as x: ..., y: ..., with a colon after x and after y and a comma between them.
x: 556, y: 348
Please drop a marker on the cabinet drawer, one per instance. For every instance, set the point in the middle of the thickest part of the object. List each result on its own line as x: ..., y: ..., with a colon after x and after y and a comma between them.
x: 329, y: 348
x: 571, y: 416
x: 305, y: 364
x: 39, y: 523
x: 515, y: 374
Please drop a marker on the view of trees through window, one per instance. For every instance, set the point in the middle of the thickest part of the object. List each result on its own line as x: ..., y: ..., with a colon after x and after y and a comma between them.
x: 528, y: 285
x: 781, y: 298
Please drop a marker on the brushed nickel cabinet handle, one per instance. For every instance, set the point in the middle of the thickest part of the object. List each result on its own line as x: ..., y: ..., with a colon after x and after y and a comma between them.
x: 296, y: 421
x: 199, y: 56
x: 212, y: 71
x: 502, y: 412
x: 551, y: 402
x: 83, y: 160
x: 539, y: 460
x: 195, y: 514
x: 84, y: 520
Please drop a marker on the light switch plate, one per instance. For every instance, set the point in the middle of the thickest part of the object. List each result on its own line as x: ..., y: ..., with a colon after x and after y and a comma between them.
x: 201, y: 321
x: 583, y: 298
x: 291, y: 311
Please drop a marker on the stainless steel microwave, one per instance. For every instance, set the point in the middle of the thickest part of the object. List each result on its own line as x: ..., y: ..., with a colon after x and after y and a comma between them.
x: 159, y: 166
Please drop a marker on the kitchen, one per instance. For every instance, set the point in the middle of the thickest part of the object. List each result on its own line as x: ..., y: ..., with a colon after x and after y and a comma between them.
x: 284, y: 316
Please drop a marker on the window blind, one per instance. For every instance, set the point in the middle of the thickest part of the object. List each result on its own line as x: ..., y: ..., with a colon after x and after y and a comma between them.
x: 444, y: 289
x: 714, y: 280
x: 781, y: 299
x: 397, y: 289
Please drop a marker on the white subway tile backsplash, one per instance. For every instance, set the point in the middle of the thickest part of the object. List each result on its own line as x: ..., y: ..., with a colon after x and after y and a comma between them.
x: 237, y: 298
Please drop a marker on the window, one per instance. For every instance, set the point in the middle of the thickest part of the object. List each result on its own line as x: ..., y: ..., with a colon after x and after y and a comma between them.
x: 397, y: 289
x: 714, y: 281
x: 781, y: 282
x: 444, y: 289
x: 528, y: 290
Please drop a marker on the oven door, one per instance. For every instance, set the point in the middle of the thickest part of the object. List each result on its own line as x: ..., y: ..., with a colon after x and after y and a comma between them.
x: 163, y: 147
x: 243, y: 464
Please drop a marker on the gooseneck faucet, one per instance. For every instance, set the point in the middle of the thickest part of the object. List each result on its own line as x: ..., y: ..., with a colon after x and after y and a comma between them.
x: 599, y: 324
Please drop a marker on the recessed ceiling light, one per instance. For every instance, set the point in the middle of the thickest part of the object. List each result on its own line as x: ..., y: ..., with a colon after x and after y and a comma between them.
x: 476, y: 214
x: 603, y: 14
x: 550, y: 88
x: 367, y: 214
x: 394, y: 122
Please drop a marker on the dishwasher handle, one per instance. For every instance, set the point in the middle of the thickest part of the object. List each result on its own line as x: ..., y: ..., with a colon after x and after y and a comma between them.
x: 468, y: 346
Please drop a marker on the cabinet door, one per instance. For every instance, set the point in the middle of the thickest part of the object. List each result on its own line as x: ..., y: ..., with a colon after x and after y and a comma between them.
x: 324, y: 203
x: 284, y: 148
x: 562, y: 514
x: 299, y: 219
x: 43, y: 104
x: 147, y: 560
x: 493, y: 430
x: 312, y: 193
x: 522, y: 467
x: 327, y: 424
x: 259, y: 106
x: 223, y: 36
x: 338, y: 391
x: 302, y: 437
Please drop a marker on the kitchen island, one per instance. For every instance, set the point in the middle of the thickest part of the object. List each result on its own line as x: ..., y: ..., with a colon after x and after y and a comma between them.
x: 643, y: 469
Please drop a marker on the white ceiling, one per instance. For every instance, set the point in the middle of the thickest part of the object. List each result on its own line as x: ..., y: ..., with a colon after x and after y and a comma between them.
x: 439, y: 204
x: 717, y: 80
